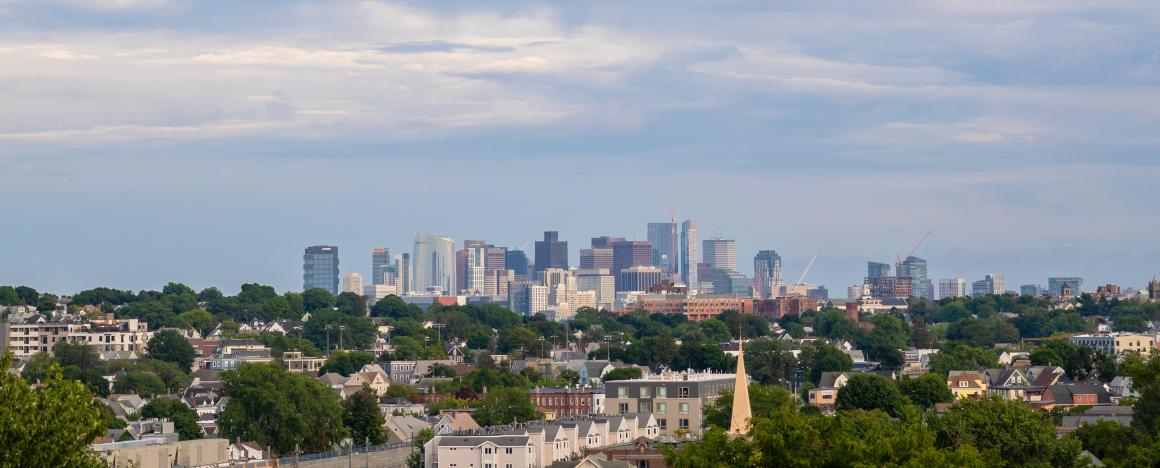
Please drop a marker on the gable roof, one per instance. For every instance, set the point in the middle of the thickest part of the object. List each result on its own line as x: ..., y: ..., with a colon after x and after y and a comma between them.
x: 1065, y: 394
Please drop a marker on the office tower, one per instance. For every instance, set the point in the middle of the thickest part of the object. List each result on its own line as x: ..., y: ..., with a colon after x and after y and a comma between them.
x: 352, y: 282
x: 990, y: 284
x: 434, y: 264
x: 404, y: 275
x: 1033, y: 290
x: 380, y: 265
x: 915, y: 269
x: 951, y: 287
x: 721, y: 253
x: 517, y: 261
x: 638, y: 278
x: 495, y: 259
x: 551, y: 252
x: 596, y: 257
x: 475, y: 277
x: 375, y: 292
x: 628, y: 254
x: 1055, y: 286
x: 877, y: 270
x: 820, y: 293
x: 320, y: 268
x: 462, y: 269
x: 599, y: 280
x: 766, y: 274
x: 553, y: 278
x: 688, y: 254
x: 663, y: 237
x: 605, y: 242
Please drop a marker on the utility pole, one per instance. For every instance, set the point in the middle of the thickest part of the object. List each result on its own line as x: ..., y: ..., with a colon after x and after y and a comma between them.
x: 341, y: 328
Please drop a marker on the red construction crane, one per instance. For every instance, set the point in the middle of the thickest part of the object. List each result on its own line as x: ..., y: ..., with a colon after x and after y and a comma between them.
x: 915, y: 249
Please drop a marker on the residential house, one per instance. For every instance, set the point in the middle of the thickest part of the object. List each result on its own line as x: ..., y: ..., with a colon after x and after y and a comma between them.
x: 455, y: 420
x: 1121, y: 387
x: 454, y: 352
x: 403, y: 428
x: 244, y: 452
x: 1008, y: 383
x: 1121, y: 415
x: 826, y: 395
x: 481, y: 451
x: 1068, y: 396
x: 967, y: 384
x: 295, y: 362
x: 557, y: 402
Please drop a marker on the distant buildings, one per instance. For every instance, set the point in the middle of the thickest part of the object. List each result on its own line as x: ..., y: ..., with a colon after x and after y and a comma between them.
x: 915, y: 269
x: 1033, y: 290
x: 551, y: 252
x: 628, y: 254
x: 320, y: 268
x: 639, y: 278
x: 597, y: 257
x: 766, y: 274
x: 434, y: 264
x: 688, y: 254
x: 676, y: 400
x: 352, y: 282
x: 952, y: 287
x: 663, y: 238
x: 601, y: 281
x: 1154, y: 290
x: 721, y: 253
x: 990, y: 284
x: 517, y: 261
x: 35, y: 334
x: 381, y: 265
x: 1057, y: 285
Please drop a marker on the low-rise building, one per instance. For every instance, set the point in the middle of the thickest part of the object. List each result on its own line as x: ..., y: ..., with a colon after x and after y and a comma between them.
x: 1116, y: 343
x: 676, y: 400
x: 967, y: 384
x: 35, y: 334
x: 826, y: 395
x: 295, y: 362
x: 558, y: 402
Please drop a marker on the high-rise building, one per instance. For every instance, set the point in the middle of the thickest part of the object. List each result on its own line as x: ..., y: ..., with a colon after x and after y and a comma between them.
x: 629, y: 254
x: 462, y: 269
x: 952, y: 287
x: 605, y: 242
x: 766, y: 274
x: 517, y: 261
x: 1033, y: 290
x: 596, y: 257
x: 434, y: 264
x: 990, y: 284
x: 380, y: 265
x: 554, y: 279
x: 1055, y: 286
x: 877, y: 270
x: 721, y: 253
x: 601, y: 281
x: 663, y: 237
x: 404, y: 276
x: 639, y: 278
x: 495, y: 259
x: 915, y: 269
x: 688, y: 254
x: 475, y: 279
x: 320, y: 268
x: 352, y: 282
x: 551, y: 252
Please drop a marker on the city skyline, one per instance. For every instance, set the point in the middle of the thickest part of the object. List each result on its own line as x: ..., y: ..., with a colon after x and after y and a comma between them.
x: 355, y: 123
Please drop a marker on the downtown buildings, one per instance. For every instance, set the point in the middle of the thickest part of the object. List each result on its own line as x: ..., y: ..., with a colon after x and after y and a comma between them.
x: 320, y: 268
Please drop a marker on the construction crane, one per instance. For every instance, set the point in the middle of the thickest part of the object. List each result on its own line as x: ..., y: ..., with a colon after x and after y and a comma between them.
x: 801, y: 280
x: 898, y: 266
x: 673, y: 243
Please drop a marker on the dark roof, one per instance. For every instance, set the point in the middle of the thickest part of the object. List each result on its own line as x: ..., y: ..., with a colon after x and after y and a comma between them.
x: 472, y: 441
x: 1065, y: 394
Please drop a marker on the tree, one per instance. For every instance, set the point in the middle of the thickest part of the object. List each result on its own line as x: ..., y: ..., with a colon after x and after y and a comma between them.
x: 401, y: 390
x: 870, y: 392
x: 622, y: 373
x: 926, y: 390
x: 347, y: 362
x: 1006, y: 432
x: 317, y: 299
x: 50, y: 426
x: 199, y: 320
x: 326, y: 325
x: 351, y: 304
x: 141, y: 382
x: 92, y: 379
x: 1145, y: 376
x: 764, y: 400
x: 183, y: 417
x: 415, y: 459
x: 76, y: 354
x: 170, y: 346
x: 439, y: 369
x: 394, y: 307
x: 504, y: 405
x: 28, y: 296
x: 1106, y: 439
x: 8, y: 296
x: 360, y: 414
x: 961, y: 356
x: 276, y: 408
x: 821, y: 357
x: 769, y: 362
x: 37, y: 367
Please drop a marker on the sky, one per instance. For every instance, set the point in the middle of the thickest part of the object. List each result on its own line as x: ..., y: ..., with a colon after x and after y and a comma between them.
x: 147, y: 141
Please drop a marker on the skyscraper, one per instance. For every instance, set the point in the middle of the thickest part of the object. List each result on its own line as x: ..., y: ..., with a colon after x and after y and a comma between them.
x: 766, y: 273
x: 517, y: 261
x: 915, y: 268
x: 688, y: 254
x: 629, y: 254
x: 877, y: 270
x: 434, y: 260
x: 952, y: 287
x: 352, y: 282
x: 638, y: 278
x: 551, y: 252
x: 720, y: 253
x: 597, y: 257
x: 380, y: 265
x: 1055, y: 285
x: 605, y: 242
x: 404, y: 276
x: 1033, y: 290
x: 320, y: 268
x: 663, y: 237
x: 990, y: 284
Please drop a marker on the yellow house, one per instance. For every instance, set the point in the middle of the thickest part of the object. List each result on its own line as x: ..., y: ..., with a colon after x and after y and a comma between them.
x: 1142, y: 344
x: 967, y: 384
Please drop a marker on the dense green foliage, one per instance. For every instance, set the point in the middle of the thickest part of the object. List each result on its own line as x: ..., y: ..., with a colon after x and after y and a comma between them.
x: 183, y: 417
x: 169, y: 346
x: 360, y: 414
x: 278, y: 409
x: 50, y: 426
x: 504, y: 405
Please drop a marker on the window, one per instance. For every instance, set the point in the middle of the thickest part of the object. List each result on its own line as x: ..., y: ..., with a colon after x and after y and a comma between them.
x: 644, y: 407
x: 623, y: 407
x: 662, y: 408
x: 644, y: 392
x: 508, y: 450
x: 622, y: 392
x: 662, y: 392
x: 487, y: 450
x: 684, y: 424
x: 684, y: 408
x: 663, y: 423
x: 683, y: 392
x: 962, y: 384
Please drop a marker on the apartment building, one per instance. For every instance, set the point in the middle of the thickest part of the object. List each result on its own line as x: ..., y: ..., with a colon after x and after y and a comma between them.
x: 1116, y: 343
x: 560, y: 402
x: 676, y: 400
x: 108, y: 334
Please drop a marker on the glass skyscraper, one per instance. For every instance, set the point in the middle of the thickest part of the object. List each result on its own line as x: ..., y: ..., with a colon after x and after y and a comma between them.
x: 915, y: 268
x: 766, y: 273
x: 320, y: 268
x: 663, y: 237
x: 688, y: 252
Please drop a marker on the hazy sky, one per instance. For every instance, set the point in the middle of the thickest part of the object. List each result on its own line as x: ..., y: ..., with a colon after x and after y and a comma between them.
x: 143, y: 141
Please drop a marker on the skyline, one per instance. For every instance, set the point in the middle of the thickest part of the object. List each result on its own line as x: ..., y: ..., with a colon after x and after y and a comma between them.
x: 1022, y: 133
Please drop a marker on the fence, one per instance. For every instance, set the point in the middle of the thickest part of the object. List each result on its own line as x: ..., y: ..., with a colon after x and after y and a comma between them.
x: 343, y: 452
